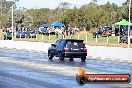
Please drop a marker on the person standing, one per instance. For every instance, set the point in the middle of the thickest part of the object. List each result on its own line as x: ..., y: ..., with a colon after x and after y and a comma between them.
x: 56, y: 31
x: 63, y: 32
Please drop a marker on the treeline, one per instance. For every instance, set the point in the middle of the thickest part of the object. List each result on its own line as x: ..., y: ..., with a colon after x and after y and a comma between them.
x: 86, y: 17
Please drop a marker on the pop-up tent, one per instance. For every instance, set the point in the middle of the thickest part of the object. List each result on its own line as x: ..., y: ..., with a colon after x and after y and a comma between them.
x: 59, y: 24
x: 123, y: 22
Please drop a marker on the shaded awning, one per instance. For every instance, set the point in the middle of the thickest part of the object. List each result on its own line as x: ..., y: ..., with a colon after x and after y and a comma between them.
x: 57, y: 24
x: 123, y: 22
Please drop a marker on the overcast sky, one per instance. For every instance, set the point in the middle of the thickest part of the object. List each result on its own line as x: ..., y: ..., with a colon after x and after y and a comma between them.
x: 54, y: 3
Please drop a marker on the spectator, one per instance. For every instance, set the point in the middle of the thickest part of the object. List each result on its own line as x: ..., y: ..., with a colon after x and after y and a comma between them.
x: 67, y: 31
x: 56, y: 32
x: 63, y: 33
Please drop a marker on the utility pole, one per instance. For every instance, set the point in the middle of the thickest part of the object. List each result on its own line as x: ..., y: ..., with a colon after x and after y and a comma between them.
x: 129, y: 23
x: 1, y: 6
x: 12, y: 21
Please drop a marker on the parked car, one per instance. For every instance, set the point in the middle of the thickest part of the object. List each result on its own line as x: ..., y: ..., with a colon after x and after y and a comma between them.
x: 68, y: 48
x: 50, y: 31
x: 22, y: 35
x: 124, y: 37
x: 42, y: 30
x: 104, y: 31
x: 32, y: 34
x: 8, y: 36
x: 98, y: 33
x: 107, y: 31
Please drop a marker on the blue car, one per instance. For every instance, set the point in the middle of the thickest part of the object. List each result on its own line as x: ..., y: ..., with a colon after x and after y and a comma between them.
x: 32, y: 34
x: 22, y: 35
x: 42, y: 30
x: 104, y: 31
x: 68, y: 48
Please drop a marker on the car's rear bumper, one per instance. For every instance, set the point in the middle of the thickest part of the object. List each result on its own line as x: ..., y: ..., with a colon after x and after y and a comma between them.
x: 75, y: 54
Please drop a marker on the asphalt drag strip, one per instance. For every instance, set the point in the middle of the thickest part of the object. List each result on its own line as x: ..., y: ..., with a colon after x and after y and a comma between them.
x: 62, y: 77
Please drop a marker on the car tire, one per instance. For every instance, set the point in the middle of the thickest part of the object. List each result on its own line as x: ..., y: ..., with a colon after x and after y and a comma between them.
x: 9, y: 38
x: 83, y: 58
x: 5, y: 37
x: 50, y: 55
x: 71, y: 59
x: 127, y: 40
x: 61, y: 57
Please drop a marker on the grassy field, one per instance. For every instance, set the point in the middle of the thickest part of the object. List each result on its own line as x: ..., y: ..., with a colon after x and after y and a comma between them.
x: 87, y: 37
x: 2, y: 35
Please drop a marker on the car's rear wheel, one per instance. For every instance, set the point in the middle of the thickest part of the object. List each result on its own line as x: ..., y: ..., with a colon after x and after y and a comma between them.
x: 50, y: 55
x: 83, y: 58
x: 61, y: 57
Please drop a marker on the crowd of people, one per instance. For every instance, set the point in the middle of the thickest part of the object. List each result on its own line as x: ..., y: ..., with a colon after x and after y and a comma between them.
x: 64, y: 32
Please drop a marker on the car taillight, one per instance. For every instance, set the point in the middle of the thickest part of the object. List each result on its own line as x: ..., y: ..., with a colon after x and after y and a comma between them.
x: 84, y: 49
x: 66, y: 49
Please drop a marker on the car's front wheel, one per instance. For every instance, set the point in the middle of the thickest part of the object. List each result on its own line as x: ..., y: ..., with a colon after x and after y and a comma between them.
x: 83, y: 58
x: 71, y: 59
x: 126, y: 40
x: 50, y: 55
x: 4, y: 37
x: 61, y: 57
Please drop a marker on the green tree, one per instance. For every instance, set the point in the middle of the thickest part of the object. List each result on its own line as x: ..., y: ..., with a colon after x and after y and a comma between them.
x: 125, y: 10
x: 5, y: 11
x: 39, y: 15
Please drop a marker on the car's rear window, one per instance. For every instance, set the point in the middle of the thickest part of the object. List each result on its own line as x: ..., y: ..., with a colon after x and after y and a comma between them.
x: 75, y: 44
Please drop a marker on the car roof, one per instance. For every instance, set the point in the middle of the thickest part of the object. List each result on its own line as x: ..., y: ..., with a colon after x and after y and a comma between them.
x: 72, y: 40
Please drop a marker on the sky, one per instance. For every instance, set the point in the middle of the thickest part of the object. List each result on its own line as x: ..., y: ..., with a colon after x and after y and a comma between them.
x: 54, y: 3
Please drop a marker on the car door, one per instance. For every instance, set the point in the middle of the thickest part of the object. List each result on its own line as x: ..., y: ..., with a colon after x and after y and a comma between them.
x: 56, y: 48
x: 60, y: 47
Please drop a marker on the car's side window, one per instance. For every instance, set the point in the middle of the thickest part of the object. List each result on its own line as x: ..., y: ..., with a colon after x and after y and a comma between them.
x: 62, y: 43
x: 57, y: 42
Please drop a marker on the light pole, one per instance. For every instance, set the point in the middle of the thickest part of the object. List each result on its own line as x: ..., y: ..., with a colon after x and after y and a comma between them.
x: 129, y: 23
x: 12, y: 19
x: 1, y: 6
